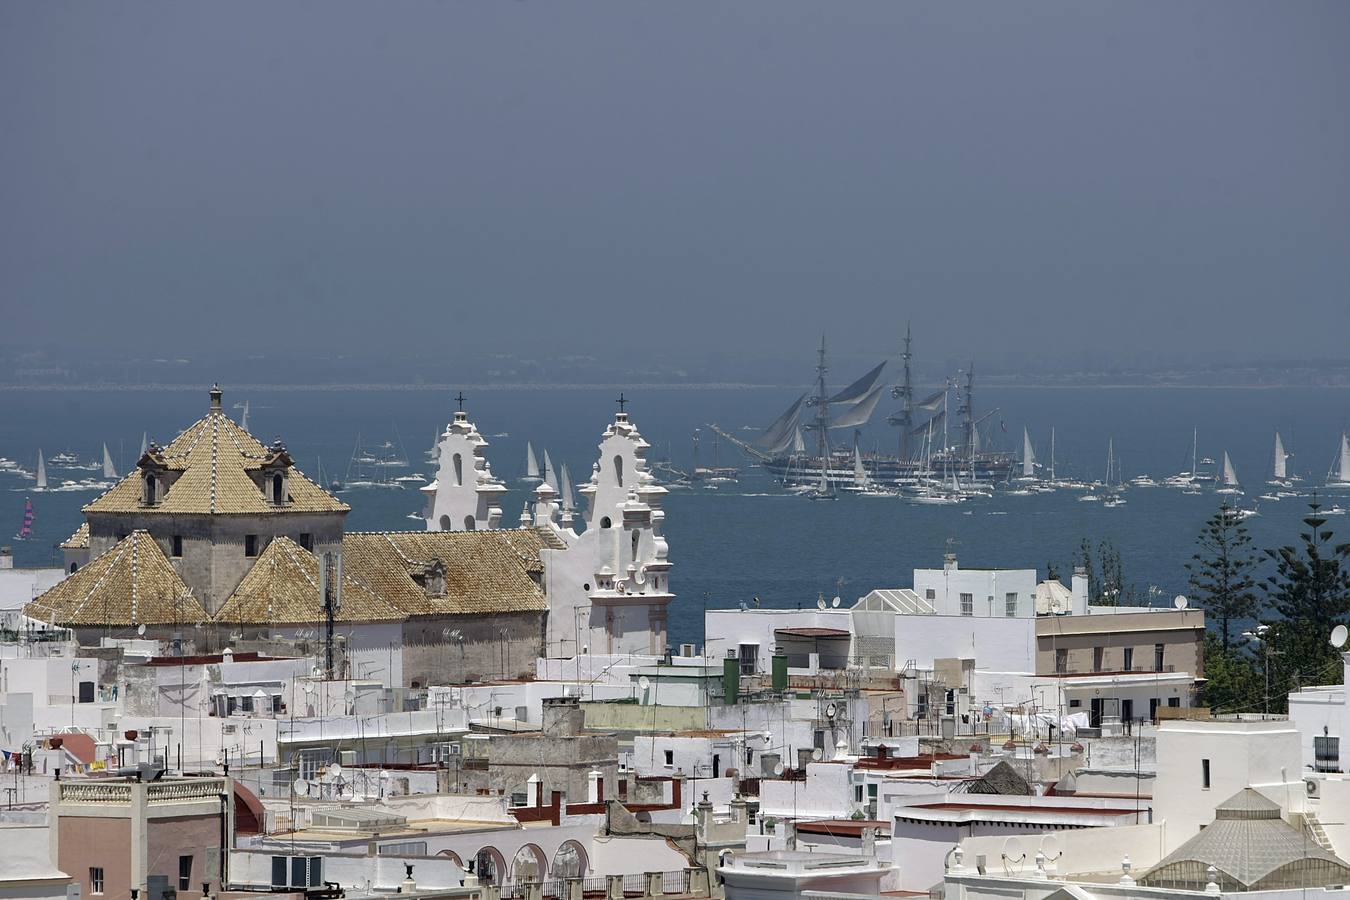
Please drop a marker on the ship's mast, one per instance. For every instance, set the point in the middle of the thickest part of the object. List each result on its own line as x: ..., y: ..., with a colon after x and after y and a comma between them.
x: 905, y: 394
x: 967, y: 411
x: 822, y: 424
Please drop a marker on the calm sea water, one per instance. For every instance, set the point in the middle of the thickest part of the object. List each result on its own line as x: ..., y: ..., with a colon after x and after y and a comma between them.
x: 749, y: 540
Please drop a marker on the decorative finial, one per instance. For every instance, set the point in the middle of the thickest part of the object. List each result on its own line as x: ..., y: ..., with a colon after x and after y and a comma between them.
x: 1213, y: 886
x: 1125, y: 866
x: 216, y: 394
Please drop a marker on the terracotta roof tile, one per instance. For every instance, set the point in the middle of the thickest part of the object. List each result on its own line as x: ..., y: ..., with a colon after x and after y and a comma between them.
x: 131, y: 584
x: 214, y: 457
x: 283, y: 587
x: 79, y: 540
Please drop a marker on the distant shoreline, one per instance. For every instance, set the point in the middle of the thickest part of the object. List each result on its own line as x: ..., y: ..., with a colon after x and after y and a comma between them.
x: 371, y: 387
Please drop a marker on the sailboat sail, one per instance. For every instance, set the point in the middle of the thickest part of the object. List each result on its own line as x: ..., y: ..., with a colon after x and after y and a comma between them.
x: 1341, y: 472
x: 41, y: 473
x: 859, y: 473
x: 1280, y: 458
x: 568, y: 501
x: 144, y: 445
x: 26, y: 529
x: 531, y: 464
x: 1230, y: 478
x: 108, y: 470
x: 550, y: 474
x: 1028, y: 456
x: 243, y: 420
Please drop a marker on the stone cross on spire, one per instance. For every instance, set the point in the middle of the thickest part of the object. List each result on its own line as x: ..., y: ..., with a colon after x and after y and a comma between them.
x: 460, y: 400
x: 622, y: 402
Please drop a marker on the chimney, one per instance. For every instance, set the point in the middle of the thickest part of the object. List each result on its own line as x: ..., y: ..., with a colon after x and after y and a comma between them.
x: 949, y: 562
x: 216, y: 395
x: 563, y: 716
x: 869, y: 842
x: 6, y: 558
x: 1078, y: 589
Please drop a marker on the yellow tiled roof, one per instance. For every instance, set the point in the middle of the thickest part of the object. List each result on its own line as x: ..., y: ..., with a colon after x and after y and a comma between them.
x: 283, y: 587
x: 132, y: 584
x: 214, y: 456
x: 485, y: 571
x: 79, y: 540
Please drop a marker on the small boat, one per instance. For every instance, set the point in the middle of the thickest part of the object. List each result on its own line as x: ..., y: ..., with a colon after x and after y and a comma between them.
x: 1143, y: 481
x: 1088, y: 498
x: 64, y: 460
x: 1113, y: 500
x: 1273, y: 498
x: 412, y: 478
x: 937, y: 498
x: 1336, y: 510
x: 26, y: 529
x: 1238, y: 514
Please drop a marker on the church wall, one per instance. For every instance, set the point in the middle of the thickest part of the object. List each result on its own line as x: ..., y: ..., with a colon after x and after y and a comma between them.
x: 428, y: 658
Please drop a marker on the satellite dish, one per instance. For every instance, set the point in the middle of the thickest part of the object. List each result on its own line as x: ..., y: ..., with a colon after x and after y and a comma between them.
x: 1050, y: 846
x: 644, y: 682
x: 778, y: 769
x: 1339, y: 634
x: 816, y: 754
x: 820, y: 604
x: 140, y: 629
x: 335, y: 770
x: 829, y: 711
x: 1180, y: 602
x: 301, y: 787
x: 836, y: 601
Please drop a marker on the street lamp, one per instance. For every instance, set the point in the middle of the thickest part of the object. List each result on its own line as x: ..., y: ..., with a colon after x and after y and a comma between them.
x: 1258, y: 636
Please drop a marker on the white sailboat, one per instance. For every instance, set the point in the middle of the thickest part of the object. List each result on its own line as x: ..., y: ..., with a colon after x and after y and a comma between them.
x: 1230, y: 483
x: 1028, y: 457
x: 144, y: 445
x: 109, y: 471
x: 1279, y: 472
x: 1339, y: 476
x: 41, y: 472
x: 1113, y: 496
x: 531, y: 464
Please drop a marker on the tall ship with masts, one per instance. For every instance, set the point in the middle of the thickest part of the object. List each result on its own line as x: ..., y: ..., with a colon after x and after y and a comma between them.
x: 815, y: 442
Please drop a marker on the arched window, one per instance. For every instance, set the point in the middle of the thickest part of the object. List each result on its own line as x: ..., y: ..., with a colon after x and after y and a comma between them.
x: 604, y: 523
x: 445, y: 523
x: 459, y: 470
x: 278, y: 489
x: 468, y: 523
x: 636, y: 537
x: 150, y: 485
x: 618, y: 470
x: 73, y: 567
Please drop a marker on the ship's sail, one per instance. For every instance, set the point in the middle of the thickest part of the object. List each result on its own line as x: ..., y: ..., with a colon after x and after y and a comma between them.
x: 1230, y: 478
x: 798, y: 444
x: 108, y: 470
x: 26, y: 529
x: 531, y: 464
x: 933, y: 401
x: 568, y: 501
x: 778, y: 436
x: 1340, y: 474
x: 41, y: 473
x: 550, y: 474
x: 859, y: 389
x: 1280, y: 458
x: 859, y: 413
x: 1028, y: 455
x: 927, y: 427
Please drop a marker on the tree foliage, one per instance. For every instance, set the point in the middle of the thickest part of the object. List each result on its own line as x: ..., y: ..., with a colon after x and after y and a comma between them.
x: 1309, y: 594
x: 1223, y: 572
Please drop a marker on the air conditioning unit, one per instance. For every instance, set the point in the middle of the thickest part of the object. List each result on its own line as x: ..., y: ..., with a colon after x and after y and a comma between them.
x: 1313, y: 786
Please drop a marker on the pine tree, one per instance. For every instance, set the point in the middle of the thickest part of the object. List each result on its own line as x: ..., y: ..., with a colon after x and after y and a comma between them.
x: 1223, y: 570
x: 1310, y: 593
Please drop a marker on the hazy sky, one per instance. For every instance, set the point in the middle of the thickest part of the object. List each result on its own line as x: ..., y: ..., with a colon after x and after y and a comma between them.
x: 542, y: 175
